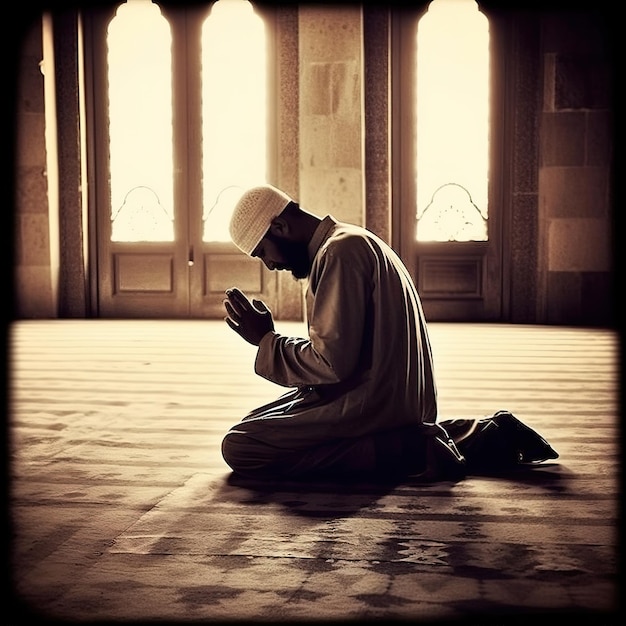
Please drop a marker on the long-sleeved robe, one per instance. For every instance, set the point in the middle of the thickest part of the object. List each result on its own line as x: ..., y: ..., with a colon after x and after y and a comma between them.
x: 365, y: 368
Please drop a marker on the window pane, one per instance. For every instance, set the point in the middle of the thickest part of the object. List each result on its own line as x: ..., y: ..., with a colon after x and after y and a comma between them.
x: 452, y: 122
x: 140, y: 123
x: 234, y: 110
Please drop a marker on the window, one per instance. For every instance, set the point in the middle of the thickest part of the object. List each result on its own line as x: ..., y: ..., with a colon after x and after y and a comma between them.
x: 452, y: 164
x: 233, y: 111
x: 140, y: 123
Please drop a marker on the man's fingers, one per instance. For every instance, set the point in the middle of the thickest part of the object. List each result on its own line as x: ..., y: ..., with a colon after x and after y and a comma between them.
x: 236, y: 295
x: 260, y: 306
x: 232, y: 325
x: 231, y: 310
x: 237, y: 299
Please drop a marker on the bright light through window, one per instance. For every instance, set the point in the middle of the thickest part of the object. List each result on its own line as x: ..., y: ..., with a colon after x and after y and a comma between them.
x: 452, y: 122
x: 140, y: 123
x: 234, y: 110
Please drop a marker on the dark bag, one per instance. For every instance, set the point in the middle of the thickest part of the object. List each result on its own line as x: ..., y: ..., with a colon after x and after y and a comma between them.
x: 502, y: 441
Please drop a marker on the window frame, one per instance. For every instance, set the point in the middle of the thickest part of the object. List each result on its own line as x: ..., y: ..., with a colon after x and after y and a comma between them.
x: 403, y: 45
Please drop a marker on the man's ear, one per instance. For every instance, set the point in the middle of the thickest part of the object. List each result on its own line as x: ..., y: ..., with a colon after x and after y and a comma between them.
x: 279, y: 227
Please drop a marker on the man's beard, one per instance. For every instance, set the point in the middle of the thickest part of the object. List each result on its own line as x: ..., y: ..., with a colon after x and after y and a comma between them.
x: 296, y: 256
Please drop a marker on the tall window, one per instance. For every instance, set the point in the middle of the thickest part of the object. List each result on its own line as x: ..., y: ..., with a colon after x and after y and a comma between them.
x: 452, y: 122
x: 234, y: 117
x: 140, y: 123
x: 234, y: 110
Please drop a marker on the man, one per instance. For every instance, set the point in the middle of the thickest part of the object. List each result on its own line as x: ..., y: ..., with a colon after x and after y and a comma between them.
x: 363, y: 400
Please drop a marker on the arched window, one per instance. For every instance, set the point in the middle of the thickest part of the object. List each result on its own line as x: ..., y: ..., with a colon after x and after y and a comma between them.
x: 452, y: 164
x: 234, y: 117
x: 140, y: 123
x: 234, y: 110
x: 181, y: 125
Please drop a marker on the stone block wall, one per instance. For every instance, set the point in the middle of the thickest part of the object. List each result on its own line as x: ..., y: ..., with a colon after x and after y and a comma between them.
x: 575, y: 185
x: 562, y: 259
x: 331, y: 110
x: 35, y: 234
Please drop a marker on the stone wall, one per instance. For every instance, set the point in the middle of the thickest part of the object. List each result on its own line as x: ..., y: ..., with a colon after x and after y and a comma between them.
x: 575, y: 187
x: 36, y: 241
x: 561, y: 254
x: 331, y: 111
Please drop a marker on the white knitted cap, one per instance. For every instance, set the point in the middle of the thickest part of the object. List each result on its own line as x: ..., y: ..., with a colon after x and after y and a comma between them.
x: 253, y: 215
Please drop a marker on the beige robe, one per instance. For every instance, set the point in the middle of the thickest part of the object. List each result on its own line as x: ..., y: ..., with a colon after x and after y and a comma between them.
x: 367, y: 364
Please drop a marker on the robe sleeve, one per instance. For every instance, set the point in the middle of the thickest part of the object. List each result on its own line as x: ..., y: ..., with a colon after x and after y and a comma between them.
x: 341, y: 287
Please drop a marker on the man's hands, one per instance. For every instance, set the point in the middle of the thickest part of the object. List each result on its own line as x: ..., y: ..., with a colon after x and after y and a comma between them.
x: 252, y: 320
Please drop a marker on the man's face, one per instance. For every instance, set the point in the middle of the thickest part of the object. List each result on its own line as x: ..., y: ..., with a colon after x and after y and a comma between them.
x: 279, y: 253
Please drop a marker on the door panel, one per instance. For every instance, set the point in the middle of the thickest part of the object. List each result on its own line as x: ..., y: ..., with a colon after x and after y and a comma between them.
x: 142, y: 280
x: 459, y: 280
x: 220, y: 266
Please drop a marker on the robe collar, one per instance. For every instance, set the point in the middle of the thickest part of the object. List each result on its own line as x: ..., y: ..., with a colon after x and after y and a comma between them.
x: 321, y: 234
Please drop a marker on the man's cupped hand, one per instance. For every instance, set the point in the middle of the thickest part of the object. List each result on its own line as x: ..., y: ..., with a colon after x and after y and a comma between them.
x: 251, y: 319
